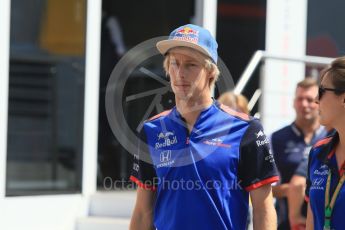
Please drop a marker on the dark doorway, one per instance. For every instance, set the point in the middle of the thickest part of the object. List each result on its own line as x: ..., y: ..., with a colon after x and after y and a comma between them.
x: 134, y: 22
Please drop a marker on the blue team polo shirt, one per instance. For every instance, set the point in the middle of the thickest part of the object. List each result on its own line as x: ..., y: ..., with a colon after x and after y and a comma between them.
x: 289, y: 149
x: 321, y: 159
x: 202, y: 179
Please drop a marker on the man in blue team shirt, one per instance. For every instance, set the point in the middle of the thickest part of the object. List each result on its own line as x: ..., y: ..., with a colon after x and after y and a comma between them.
x: 291, y: 145
x: 198, y: 163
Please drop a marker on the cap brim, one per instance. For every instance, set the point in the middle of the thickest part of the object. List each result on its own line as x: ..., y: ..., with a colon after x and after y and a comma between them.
x: 165, y: 45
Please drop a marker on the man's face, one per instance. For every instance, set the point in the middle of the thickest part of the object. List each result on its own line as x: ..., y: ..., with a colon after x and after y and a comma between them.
x: 189, y: 78
x: 304, y: 103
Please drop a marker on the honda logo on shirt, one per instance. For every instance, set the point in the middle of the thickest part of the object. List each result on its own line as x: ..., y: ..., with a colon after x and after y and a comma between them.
x: 318, y: 181
x: 165, y: 156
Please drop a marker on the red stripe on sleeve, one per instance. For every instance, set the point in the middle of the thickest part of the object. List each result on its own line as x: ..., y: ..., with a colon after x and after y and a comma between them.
x: 323, y: 142
x: 164, y: 113
x: 263, y: 182
x: 142, y: 185
x: 331, y: 154
x: 234, y: 112
x: 306, y: 198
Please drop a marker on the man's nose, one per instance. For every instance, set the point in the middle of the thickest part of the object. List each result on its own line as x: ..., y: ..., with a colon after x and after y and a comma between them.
x: 181, y: 71
x: 306, y: 102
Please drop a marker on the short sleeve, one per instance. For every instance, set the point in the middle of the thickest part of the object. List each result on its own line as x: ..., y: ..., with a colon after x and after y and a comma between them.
x: 308, y: 179
x: 256, y: 165
x: 143, y: 171
x: 302, y: 168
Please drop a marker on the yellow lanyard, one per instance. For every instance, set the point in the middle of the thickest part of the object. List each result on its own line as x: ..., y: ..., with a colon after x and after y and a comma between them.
x: 329, y: 205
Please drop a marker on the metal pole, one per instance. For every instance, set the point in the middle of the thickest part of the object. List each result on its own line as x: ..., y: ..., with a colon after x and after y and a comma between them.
x: 5, y: 10
x: 91, y: 97
x: 248, y: 72
x: 261, y: 55
x: 206, y: 15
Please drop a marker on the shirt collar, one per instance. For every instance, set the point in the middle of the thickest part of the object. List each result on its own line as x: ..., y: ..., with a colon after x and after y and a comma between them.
x: 326, y: 151
x: 296, y: 130
x: 214, y: 103
x: 180, y: 119
x: 300, y: 133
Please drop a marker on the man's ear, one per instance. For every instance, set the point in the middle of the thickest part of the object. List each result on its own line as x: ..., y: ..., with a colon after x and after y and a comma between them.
x: 209, y: 74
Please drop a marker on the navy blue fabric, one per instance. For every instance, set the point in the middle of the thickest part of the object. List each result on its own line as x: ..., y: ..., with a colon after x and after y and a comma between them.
x: 290, y: 149
x: 320, y: 161
x: 203, y: 178
x: 302, y: 168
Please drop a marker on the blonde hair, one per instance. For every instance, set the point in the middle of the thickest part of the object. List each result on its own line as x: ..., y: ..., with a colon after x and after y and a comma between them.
x: 242, y: 104
x: 307, y: 83
x: 211, y: 67
x: 237, y: 102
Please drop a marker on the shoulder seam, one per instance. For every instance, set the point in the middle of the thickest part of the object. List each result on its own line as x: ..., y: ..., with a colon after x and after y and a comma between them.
x: 234, y: 113
x: 283, y: 130
x: 164, y: 113
x: 322, y: 142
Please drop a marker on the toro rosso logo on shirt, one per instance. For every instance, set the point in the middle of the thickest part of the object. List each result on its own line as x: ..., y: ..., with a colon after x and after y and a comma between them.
x: 165, y: 139
x: 216, y: 142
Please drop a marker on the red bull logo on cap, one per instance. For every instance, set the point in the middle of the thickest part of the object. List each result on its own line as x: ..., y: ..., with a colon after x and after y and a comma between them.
x: 187, y: 30
x: 187, y: 34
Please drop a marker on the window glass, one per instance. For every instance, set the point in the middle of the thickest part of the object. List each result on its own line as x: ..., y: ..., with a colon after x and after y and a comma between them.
x: 46, y: 97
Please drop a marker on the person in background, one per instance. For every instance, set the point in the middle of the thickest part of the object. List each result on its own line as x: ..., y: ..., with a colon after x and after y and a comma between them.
x: 292, y: 143
x: 326, y: 164
x: 237, y: 102
x: 296, y: 191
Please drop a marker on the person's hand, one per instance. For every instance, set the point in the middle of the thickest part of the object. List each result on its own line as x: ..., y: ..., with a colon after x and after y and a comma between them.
x: 298, y: 223
x: 298, y: 227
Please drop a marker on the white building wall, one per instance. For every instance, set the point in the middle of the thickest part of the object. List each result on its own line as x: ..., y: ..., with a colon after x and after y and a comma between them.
x: 90, y: 149
x: 53, y: 212
x: 57, y: 212
x: 285, y: 36
x: 206, y: 15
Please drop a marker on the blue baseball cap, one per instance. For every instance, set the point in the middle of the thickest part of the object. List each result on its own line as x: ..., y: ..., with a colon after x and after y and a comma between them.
x: 191, y: 36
